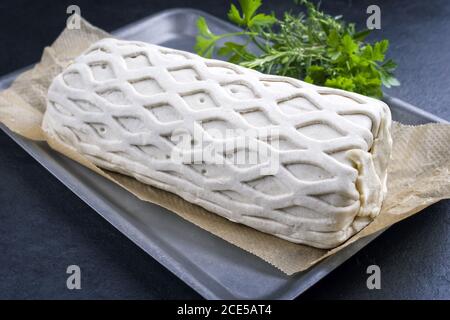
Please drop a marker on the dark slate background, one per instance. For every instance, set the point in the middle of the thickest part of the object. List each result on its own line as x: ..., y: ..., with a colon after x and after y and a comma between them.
x: 44, y: 227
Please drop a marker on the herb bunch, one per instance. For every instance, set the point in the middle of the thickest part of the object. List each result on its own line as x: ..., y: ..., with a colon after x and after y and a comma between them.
x: 314, y: 46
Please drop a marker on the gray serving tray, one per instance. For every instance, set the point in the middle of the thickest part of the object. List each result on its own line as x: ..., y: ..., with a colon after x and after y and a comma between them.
x: 210, y: 265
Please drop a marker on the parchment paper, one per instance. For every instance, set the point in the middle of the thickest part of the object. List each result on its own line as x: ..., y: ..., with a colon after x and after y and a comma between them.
x: 419, y: 172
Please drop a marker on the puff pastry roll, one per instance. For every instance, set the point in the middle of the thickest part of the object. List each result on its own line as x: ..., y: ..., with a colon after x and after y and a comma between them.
x: 304, y: 163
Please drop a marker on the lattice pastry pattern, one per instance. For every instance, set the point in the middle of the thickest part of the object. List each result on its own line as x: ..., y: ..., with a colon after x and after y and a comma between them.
x: 125, y: 105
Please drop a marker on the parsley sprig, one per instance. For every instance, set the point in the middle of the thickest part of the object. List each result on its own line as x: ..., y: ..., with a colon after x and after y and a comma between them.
x: 314, y: 46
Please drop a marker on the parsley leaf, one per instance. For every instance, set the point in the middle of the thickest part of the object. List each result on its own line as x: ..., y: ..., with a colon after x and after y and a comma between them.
x: 314, y: 46
x: 205, y: 40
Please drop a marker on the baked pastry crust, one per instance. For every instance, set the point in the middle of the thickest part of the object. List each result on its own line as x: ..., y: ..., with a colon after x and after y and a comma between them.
x: 125, y: 105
